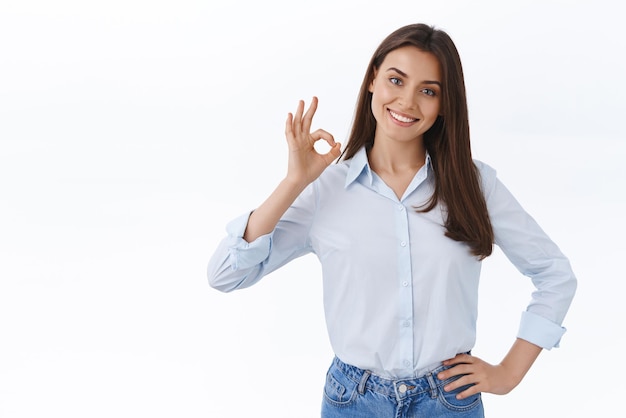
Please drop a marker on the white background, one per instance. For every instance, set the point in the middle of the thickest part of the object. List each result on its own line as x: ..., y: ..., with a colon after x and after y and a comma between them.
x: 132, y: 131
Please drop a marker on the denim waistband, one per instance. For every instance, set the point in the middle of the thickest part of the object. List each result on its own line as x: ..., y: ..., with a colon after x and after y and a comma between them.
x: 400, y: 388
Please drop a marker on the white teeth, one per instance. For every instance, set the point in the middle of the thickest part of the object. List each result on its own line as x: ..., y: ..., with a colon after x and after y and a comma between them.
x: 401, y: 118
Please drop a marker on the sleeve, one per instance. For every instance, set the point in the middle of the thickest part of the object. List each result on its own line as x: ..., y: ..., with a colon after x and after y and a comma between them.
x: 237, y: 264
x: 535, y: 255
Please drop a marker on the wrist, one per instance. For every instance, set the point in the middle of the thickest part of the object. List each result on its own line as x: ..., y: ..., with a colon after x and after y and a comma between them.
x: 295, y: 184
x: 519, y: 360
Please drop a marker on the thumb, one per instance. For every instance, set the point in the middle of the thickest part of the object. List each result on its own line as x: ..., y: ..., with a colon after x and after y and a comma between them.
x: 333, y: 153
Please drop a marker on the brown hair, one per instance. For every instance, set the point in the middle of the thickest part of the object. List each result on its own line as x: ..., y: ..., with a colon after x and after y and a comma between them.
x: 457, y: 181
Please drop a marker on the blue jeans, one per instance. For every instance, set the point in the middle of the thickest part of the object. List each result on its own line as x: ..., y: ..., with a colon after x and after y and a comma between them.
x: 351, y: 392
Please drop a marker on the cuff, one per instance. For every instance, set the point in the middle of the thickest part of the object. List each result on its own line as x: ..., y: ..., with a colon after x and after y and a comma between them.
x: 540, y: 331
x: 244, y: 254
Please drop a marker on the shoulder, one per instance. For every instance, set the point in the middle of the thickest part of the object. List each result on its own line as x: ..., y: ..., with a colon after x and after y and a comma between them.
x: 484, y: 168
x: 331, y: 182
x: 335, y: 173
x: 487, y: 176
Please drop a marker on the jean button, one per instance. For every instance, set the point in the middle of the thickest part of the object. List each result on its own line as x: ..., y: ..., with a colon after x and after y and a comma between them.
x: 402, y: 388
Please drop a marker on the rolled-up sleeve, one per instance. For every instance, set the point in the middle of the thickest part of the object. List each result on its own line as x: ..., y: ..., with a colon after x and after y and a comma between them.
x: 237, y: 264
x: 243, y: 254
x: 535, y: 255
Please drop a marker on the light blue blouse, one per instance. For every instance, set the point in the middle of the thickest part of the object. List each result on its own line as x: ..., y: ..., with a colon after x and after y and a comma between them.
x: 399, y: 296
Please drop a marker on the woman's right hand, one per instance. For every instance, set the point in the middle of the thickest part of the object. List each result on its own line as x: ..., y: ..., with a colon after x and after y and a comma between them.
x: 305, y: 163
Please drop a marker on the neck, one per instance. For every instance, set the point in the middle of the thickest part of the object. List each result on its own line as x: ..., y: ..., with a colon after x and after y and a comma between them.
x: 397, y: 157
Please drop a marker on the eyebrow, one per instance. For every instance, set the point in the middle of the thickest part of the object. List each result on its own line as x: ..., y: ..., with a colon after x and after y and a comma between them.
x: 403, y: 74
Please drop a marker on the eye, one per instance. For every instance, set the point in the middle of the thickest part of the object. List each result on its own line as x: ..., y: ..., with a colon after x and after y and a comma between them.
x: 396, y: 81
x: 429, y: 92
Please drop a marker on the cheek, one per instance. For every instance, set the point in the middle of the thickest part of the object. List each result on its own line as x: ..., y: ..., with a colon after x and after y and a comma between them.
x: 378, y: 106
x: 381, y: 96
x: 374, y: 108
x: 431, y: 107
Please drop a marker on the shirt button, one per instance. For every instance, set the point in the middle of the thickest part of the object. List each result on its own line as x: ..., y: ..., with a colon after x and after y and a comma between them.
x: 400, y: 208
x: 406, y: 323
x: 402, y: 388
x: 403, y: 243
x: 405, y: 284
x: 407, y: 363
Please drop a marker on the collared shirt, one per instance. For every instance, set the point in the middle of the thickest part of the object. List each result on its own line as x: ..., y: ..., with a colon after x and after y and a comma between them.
x: 399, y: 296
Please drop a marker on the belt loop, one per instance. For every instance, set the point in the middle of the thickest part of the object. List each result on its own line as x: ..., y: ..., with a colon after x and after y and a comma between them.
x: 433, y: 386
x: 366, y: 375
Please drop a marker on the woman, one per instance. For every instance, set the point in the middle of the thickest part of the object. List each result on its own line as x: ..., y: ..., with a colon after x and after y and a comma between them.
x: 400, y: 225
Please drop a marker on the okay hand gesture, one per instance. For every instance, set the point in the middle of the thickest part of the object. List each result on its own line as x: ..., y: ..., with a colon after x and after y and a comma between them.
x: 305, y: 163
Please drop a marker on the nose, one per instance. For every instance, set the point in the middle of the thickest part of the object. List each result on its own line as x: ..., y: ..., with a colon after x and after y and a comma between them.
x: 410, y: 99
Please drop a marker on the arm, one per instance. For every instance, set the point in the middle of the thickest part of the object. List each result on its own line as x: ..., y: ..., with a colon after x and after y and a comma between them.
x: 536, y: 256
x: 240, y: 259
x: 304, y: 166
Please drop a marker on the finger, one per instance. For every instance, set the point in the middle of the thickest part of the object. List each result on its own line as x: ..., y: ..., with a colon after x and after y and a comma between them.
x: 322, y: 134
x: 335, y: 147
x: 297, y: 119
x: 457, y: 370
x: 289, y: 126
x: 458, y: 359
x: 472, y: 390
x: 308, y: 116
x: 460, y: 382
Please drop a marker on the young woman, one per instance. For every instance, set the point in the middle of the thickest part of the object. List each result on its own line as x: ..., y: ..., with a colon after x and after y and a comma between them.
x: 400, y: 225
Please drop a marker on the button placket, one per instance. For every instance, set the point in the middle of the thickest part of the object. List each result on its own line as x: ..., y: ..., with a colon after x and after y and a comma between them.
x: 405, y: 305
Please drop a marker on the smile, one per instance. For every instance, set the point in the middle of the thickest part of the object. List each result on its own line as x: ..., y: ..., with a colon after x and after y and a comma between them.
x: 401, y: 118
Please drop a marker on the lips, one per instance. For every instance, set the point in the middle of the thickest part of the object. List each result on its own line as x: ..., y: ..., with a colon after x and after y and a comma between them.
x: 400, y: 118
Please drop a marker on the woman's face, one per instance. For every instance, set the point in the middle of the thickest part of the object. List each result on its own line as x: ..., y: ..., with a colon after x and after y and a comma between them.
x: 406, y: 94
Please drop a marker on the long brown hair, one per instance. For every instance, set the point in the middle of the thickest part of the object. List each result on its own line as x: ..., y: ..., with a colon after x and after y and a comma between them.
x: 457, y: 182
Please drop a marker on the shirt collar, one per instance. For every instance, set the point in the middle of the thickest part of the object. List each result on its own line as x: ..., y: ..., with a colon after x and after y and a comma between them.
x: 359, y: 165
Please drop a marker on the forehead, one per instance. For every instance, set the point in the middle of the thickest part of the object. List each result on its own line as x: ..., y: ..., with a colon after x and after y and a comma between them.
x: 413, y: 62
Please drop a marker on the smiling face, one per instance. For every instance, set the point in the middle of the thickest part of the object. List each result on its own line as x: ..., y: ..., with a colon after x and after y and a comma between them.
x: 406, y: 94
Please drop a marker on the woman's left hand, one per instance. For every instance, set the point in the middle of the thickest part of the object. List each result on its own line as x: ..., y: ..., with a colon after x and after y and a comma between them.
x: 483, y: 377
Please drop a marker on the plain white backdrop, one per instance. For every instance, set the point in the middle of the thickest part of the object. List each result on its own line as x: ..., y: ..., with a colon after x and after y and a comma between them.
x: 132, y: 131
